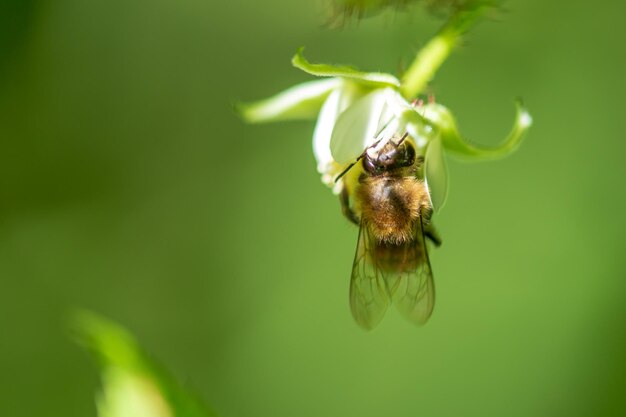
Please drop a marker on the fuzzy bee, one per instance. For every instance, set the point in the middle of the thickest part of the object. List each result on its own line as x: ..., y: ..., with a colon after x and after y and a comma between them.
x: 386, y: 197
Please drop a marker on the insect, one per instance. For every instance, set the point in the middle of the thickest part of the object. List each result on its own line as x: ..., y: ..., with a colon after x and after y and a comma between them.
x: 391, y: 204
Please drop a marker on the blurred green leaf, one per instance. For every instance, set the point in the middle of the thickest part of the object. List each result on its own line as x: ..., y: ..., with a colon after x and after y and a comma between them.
x: 362, y: 8
x: 133, y: 385
x: 374, y: 79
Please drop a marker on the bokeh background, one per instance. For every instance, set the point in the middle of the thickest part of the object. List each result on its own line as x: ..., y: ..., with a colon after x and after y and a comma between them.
x: 129, y: 187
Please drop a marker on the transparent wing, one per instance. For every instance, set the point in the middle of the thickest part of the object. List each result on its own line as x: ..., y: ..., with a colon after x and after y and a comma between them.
x: 410, y: 282
x: 369, y: 298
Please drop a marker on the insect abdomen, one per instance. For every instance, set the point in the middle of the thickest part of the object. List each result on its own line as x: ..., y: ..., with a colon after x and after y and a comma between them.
x: 403, y: 257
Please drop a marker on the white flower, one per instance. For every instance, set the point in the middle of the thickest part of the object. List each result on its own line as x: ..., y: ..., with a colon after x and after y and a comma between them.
x: 354, y: 109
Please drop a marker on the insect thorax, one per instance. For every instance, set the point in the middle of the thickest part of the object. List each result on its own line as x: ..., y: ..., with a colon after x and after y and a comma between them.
x: 391, y: 205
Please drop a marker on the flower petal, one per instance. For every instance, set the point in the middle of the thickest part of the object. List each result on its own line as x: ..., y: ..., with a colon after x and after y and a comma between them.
x: 302, y: 101
x: 436, y: 173
x: 418, y: 127
x: 443, y: 120
x: 357, y: 127
x: 324, y: 129
x: 334, y: 105
x: 373, y: 79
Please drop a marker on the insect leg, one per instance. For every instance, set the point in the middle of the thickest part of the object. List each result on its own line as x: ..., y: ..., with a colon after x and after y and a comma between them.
x: 431, y: 233
x: 344, y: 199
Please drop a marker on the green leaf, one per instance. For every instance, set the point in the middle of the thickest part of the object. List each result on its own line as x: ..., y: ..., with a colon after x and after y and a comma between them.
x: 133, y: 384
x: 302, y: 101
x: 436, y: 173
x: 373, y: 79
x: 444, y: 122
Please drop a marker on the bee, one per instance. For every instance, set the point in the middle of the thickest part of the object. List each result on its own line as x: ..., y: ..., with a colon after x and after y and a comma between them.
x: 391, y: 204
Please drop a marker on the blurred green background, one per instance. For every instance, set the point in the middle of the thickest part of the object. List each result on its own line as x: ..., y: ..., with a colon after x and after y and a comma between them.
x: 128, y: 186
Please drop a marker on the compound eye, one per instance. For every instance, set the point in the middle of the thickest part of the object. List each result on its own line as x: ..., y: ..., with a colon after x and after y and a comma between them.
x: 410, y: 155
x: 369, y: 165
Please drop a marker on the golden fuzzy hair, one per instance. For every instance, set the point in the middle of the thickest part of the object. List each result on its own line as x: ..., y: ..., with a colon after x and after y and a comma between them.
x: 390, y: 206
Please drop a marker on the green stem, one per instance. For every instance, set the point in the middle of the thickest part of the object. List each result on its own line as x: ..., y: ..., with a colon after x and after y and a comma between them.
x: 431, y: 56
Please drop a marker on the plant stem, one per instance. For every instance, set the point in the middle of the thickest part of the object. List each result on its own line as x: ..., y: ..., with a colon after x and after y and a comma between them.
x: 431, y: 56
